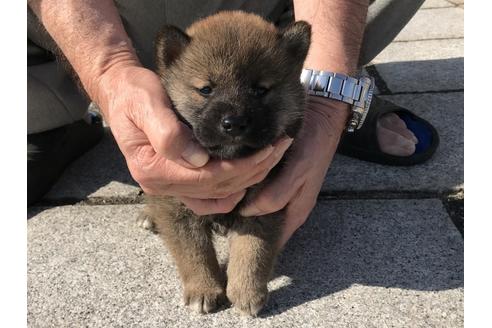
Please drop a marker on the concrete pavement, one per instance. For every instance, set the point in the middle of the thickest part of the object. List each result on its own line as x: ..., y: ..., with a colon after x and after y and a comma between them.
x: 381, y: 249
x: 360, y: 263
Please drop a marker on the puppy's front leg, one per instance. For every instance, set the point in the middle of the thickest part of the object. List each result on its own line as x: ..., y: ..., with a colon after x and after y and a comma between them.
x: 188, y: 238
x: 252, y: 253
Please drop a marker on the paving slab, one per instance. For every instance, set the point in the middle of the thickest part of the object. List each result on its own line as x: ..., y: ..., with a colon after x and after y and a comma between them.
x: 378, y: 263
x: 442, y: 173
x: 100, y: 173
x: 432, y: 65
x: 439, y: 23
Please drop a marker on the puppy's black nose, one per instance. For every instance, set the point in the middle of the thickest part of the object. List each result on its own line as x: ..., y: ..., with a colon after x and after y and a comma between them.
x: 235, y: 125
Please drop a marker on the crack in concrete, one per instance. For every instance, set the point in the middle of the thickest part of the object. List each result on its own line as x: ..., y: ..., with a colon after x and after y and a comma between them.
x: 427, y: 8
x: 323, y: 196
x: 91, y: 201
x: 430, y: 39
x: 454, y: 4
x: 452, y: 200
x: 383, y: 194
x: 423, y: 92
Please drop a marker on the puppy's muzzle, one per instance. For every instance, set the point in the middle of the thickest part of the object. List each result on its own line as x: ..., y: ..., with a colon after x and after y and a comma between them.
x: 235, y: 125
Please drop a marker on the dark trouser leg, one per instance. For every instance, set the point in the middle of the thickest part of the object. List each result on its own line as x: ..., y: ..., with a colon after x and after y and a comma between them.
x: 56, y: 116
x: 53, y: 99
x: 143, y: 21
x: 385, y: 19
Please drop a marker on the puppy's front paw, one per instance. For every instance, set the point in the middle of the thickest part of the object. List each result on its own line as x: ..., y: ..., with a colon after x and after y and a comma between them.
x: 248, y: 301
x: 204, y: 300
x: 146, y: 222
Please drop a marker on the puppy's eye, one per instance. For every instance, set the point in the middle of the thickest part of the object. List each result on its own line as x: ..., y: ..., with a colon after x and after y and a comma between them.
x: 259, y: 91
x: 205, y: 90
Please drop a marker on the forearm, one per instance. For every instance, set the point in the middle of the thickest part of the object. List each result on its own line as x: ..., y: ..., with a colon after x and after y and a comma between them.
x: 337, y: 31
x: 90, y: 34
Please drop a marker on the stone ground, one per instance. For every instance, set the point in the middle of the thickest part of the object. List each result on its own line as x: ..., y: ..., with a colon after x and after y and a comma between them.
x: 385, y: 250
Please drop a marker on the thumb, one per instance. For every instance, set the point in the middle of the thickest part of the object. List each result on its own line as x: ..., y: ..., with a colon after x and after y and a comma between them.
x: 171, y: 138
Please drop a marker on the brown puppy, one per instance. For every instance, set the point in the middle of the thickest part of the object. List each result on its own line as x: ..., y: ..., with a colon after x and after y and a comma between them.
x: 234, y: 79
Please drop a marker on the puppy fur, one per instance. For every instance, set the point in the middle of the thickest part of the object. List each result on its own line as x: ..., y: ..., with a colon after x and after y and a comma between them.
x: 231, y: 63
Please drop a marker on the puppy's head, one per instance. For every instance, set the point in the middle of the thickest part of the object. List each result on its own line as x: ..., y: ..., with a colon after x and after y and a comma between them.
x: 234, y: 79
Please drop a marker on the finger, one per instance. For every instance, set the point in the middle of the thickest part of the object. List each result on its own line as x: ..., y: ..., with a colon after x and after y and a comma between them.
x: 270, y: 200
x: 221, y: 171
x: 168, y: 136
x: 179, y: 184
x: 297, y: 212
x: 244, y: 184
x: 259, y: 177
x: 172, y: 139
x: 256, y: 176
x: 213, y: 206
x: 263, y: 162
x: 193, y: 192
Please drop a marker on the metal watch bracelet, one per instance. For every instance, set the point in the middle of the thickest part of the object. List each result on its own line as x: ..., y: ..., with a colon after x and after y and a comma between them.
x: 356, y: 92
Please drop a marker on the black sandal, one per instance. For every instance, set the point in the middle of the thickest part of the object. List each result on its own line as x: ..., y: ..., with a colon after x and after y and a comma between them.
x: 363, y: 143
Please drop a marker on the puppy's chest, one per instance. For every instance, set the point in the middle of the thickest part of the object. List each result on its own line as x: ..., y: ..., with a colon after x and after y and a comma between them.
x: 223, y: 223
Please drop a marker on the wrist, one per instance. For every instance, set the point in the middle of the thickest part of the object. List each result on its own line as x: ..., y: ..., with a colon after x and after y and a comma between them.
x: 321, y: 60
x: 105, y: 82
x: 333, y: 113
x: 111, y: 62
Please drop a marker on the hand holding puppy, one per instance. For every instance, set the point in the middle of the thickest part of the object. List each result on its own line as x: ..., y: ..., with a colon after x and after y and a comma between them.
x: 160, y: 151
x: 297, y: 186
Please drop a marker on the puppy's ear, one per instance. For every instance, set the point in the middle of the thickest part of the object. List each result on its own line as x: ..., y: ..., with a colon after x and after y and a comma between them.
x: 296, y: 38
x: 169, y: 45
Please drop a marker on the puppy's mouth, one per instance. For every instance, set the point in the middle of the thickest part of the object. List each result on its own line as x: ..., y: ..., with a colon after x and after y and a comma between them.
x: 222, y: 146
x: 231, y: 151
x: 233, y: 148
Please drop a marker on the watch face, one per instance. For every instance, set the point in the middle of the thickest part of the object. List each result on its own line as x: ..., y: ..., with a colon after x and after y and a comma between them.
x: 368, y: 98
x: 369, y: 94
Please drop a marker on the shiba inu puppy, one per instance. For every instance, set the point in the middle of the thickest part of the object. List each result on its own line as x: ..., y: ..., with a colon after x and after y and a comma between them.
x: 234, y: 79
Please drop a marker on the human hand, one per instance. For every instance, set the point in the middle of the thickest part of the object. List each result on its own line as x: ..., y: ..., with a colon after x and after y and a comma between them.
x: 160, y: 151
x: 297, y: 186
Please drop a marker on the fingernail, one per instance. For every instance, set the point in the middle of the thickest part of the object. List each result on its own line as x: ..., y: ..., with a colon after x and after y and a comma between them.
x: 263, y: 154
x: 283, y: 146
x: 195, y: 155
x: 249, y: 210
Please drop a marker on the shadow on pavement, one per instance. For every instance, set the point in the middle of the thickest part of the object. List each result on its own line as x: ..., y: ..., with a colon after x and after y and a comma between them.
x: 391, y: 250
x: 102, y: 172
x: 420, y: 75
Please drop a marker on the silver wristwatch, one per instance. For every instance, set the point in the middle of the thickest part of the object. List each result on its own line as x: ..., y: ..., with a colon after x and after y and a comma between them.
x: 356, y: 92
